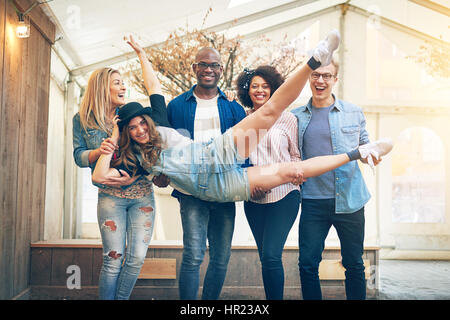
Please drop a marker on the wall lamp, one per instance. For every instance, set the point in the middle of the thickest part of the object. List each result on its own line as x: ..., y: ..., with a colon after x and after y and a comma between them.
x: 23, y: 27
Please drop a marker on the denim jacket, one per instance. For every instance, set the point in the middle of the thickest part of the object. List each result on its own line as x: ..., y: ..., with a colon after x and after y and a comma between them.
x: 181, y: 114
x: 86, y: 141
x: 348, y: 131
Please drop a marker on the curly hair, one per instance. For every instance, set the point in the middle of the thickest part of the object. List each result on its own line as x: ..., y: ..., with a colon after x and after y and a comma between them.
x: 268, y: 73
x: 129, y: 148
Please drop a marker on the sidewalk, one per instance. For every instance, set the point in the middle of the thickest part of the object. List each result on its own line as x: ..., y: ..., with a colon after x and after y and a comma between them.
x: 414, y: 280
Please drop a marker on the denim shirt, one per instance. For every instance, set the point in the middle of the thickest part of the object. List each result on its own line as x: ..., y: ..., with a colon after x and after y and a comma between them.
x: 181, y: 114
x: 84, y: 141
x: 348, y: 131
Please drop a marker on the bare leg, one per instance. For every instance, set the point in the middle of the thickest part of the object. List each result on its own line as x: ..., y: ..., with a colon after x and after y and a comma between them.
x: 251, y: 129
x: 274, y: 175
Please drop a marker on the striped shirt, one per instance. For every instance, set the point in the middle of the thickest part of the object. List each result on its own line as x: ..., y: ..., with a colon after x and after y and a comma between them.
x: 280, y: 144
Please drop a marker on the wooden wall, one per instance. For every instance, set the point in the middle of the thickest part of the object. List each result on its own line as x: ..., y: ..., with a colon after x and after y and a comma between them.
x: 24, y: 87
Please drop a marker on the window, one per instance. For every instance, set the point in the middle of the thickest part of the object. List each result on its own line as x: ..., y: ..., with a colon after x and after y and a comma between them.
x: 418, y: 177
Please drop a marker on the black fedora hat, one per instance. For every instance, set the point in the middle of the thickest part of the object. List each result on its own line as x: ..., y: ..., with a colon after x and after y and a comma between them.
x: 129, y: 111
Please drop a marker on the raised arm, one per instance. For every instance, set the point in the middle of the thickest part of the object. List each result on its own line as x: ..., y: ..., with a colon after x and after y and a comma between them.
x: 151, y: 82
x: 153, y: 86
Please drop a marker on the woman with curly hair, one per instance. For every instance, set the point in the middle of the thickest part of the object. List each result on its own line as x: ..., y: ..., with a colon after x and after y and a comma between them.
x: 272, y: 214
x: 263, y: 77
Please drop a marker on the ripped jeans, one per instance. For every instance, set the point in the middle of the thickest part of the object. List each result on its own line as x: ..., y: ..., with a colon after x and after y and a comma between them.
x: 124, y: 223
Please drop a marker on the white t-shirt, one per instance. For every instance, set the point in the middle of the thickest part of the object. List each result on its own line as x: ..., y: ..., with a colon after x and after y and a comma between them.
x: 206, y: 127
x: 207, y: 120
x: 172, y: 138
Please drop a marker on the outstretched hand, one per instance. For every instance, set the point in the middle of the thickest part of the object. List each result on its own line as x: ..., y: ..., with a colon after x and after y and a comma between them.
x: 151, y: 82
x: 136, y: 47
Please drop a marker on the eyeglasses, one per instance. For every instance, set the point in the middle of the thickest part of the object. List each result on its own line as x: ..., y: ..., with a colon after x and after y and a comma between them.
x: 325, y: 76
x: 204, y: 66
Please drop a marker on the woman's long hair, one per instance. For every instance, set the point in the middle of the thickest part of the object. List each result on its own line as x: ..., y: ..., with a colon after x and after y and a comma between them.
x: 129, y: 148
x: 97, y: 101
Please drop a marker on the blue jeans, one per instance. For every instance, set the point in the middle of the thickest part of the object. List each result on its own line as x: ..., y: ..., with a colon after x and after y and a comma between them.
x: 202, y: 220
x: 316, y: 219
x: 270, y: 224
x: 210, y: 171
x: 123, y: 223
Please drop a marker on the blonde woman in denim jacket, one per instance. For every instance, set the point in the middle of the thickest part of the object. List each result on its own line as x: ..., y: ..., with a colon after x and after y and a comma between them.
x: 125, y: 207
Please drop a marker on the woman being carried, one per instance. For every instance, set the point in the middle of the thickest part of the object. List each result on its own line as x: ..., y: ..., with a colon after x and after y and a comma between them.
x: 211, y: 171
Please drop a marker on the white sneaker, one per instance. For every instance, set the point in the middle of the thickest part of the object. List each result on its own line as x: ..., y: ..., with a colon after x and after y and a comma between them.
x: 376, y: 149
x: 324, y: 50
